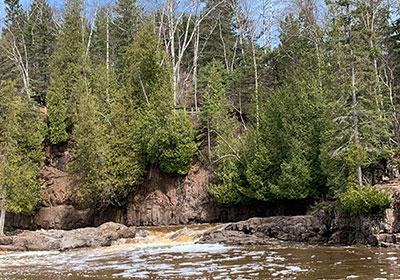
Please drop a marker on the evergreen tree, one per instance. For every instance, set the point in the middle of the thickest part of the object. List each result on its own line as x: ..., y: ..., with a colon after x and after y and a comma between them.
x: 148, y: 77
x: 68, y: 74
x: 127, y: 18
x: 126, y: 161
x: 220, y: 131
x: 355, y: 120
x: 40, y: 36
x: 21, y: 147
x: 217, y: 34
x: 102, y: 48
x: 87, y: 162
x: 282, y: 161
x: 13, y: 46
x: 107, y: 162
x: 281, y: 157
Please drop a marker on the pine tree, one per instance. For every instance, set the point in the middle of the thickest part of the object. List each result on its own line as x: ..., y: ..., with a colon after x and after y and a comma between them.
x: 87, y: 162
x: 127, y: 18
x: 220, y: 135
x: 68, y: 75
x: 21, y: 143
x: 355, y: 118
x: 40, y: 36
x: 168, y: 137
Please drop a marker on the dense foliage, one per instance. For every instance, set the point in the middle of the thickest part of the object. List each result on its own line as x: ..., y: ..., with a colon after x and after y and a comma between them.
x: 364, y: 201
x: 313, y: 113
x: 21, y: 144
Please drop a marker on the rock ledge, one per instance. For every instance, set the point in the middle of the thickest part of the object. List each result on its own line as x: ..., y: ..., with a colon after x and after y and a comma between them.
x: 48, y: 240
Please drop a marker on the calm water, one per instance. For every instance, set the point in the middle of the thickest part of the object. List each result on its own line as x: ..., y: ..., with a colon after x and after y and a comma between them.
x: 171, y: 255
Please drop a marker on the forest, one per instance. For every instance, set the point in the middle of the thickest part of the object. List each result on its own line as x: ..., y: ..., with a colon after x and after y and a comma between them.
x: 313, y: 113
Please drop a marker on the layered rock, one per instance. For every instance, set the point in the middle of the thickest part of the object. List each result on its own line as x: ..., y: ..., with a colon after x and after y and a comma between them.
x: 261, y: 231
x: 165, y: 199
x: 326, y: 226
x: 62, y: 240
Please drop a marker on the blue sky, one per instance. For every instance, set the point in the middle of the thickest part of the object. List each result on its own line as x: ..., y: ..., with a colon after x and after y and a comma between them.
x: 25, y: 4
x: 254, y: 9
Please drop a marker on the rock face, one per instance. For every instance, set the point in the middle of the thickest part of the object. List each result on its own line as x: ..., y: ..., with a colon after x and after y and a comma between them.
x: 165, y: 199
x: 62, y: 240
x: 63, y: 217
x: 56, y: 186
x: 261, y: 231
x: 396, y: 212
x: 57, y: 211
x: 326, y: 226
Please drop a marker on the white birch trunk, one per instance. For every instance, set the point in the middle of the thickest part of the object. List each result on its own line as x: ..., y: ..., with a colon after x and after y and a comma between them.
x: 354, y: 98
x: 270, y: 23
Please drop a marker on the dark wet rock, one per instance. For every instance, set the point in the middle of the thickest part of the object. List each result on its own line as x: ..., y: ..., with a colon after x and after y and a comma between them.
x: 331, y: 227
x: 355, y: 229
x: 396, y: 212
x: 43, y: 240
x: 257, y: 231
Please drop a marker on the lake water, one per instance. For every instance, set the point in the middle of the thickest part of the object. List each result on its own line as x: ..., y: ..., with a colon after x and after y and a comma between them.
x: 170, y: 253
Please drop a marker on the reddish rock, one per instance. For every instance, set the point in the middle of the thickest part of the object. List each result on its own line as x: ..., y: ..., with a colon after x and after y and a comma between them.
x: 55, y: 187
x: 165, y: 199
x: 63, y: 217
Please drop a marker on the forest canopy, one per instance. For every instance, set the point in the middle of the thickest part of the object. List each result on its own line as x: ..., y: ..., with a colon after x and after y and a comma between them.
x: 293, y: 105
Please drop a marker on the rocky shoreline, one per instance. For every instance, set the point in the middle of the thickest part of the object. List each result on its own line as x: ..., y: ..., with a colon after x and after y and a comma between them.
x: 165, y: 199
x: 328, y: 227
x: 61, y: 240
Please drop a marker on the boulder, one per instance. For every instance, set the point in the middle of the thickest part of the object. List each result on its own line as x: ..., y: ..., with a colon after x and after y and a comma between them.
x: 62, y: 240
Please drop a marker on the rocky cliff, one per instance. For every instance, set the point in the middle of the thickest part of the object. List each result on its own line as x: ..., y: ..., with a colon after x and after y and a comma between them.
x: 162, y: 199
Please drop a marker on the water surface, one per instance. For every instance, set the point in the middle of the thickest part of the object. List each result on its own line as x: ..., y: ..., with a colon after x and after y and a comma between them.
x: 169, y: 253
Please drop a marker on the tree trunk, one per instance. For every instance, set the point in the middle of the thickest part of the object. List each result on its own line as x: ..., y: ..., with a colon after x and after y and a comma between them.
x: 3, y: 209
x: 195, y: 65
x: 270, y: 24
x: 108, y: 55
x: 255, y: 82
x: 264, y: 23
x: 171, y: 28
x: 354, y: 99
x: 209, y: 140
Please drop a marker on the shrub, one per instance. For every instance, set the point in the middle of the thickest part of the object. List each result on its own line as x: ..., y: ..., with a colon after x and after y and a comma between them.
x: 364, y: 201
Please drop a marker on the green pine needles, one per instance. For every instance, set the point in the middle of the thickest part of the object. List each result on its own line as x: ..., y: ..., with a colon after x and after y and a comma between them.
x: 22, y: 133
